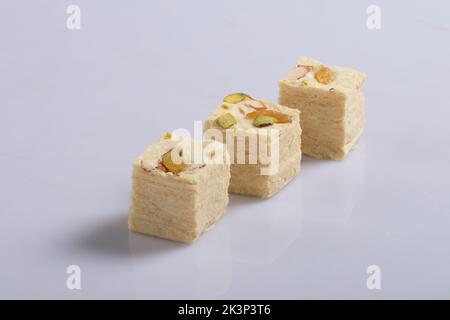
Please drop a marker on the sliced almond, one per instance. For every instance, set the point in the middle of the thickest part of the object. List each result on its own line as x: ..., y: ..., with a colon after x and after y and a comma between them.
x: 307, y: 67
x: 161, y: 167
x: 298, y: 72
x: 255, y: 104
x: 148, y: 165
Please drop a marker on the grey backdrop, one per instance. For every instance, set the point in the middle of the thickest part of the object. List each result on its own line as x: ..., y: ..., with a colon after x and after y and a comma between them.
x: 78, y: 106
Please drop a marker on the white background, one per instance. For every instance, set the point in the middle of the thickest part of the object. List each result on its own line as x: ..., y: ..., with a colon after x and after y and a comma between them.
x: 78, y: 106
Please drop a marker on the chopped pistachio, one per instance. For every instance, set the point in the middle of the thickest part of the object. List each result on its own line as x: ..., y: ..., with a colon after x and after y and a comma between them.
x: 171, y: 166
x: 225, y: 106
x: 278, y: 116
x: 235, y: 97
x: 304, y: 82
x: 324, y: 75
x: 262, y: 121
x: 226, y: 120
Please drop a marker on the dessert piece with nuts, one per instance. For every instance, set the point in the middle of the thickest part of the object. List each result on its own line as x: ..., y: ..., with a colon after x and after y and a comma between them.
x: 180, y: 188
x: 331, y: 100
x: 263, y: 140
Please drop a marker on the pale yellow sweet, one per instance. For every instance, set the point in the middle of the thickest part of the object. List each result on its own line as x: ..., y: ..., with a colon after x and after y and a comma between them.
x: 247, y: 180
x: 247, y: 177
x: 177, y: 207
x: 332, y: 114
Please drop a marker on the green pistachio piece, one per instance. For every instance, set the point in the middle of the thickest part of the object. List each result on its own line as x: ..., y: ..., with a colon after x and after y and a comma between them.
x: 235, y: 97
x: 226, y: 120
x: 262, y: 121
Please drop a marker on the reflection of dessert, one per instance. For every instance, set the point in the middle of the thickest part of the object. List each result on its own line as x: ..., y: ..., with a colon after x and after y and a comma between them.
x: 263, y: 141
x: 178, y: 194
x: 331, y: 100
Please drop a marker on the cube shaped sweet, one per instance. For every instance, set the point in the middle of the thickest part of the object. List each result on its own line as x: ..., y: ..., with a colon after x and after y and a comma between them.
x: 178, y: 194
x: 263, y: 140
x: 331, y: 100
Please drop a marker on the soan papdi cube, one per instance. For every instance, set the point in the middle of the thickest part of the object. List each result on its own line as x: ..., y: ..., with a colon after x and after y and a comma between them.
x: 331, y: 100
x: 263, y: 140
x: 180, y: 188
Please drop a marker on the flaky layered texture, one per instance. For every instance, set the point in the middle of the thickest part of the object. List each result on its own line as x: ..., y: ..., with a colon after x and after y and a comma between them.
x: 332, y: 114
x: 246, y: 179
x: 246, y: 176
x: 176, y: 206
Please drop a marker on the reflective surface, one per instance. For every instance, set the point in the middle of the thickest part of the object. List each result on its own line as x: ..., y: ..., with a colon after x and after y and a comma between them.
x: 78, y: 106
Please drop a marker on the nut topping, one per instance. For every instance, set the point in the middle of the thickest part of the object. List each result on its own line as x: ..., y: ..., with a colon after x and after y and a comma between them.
x: 226, y: 120
x: 263, y: 121
x: 171, y: 166
x: 236, y: 97
x: 298, y: 72
x: 324, y: 75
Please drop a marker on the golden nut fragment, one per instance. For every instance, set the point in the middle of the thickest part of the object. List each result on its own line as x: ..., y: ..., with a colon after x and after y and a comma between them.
x: 167, y: 135
x: 263, y: 121
x: 171, y: 166
x: 324, y: 75
x: 236, y: 97
x: 278, y: 116
x: 225, y: 106
x: 226, y: 120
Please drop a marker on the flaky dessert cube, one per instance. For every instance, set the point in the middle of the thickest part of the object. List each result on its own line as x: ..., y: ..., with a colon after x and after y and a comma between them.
x: 180, y: 188
x: 331, y: 100
x: 263, y: 140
